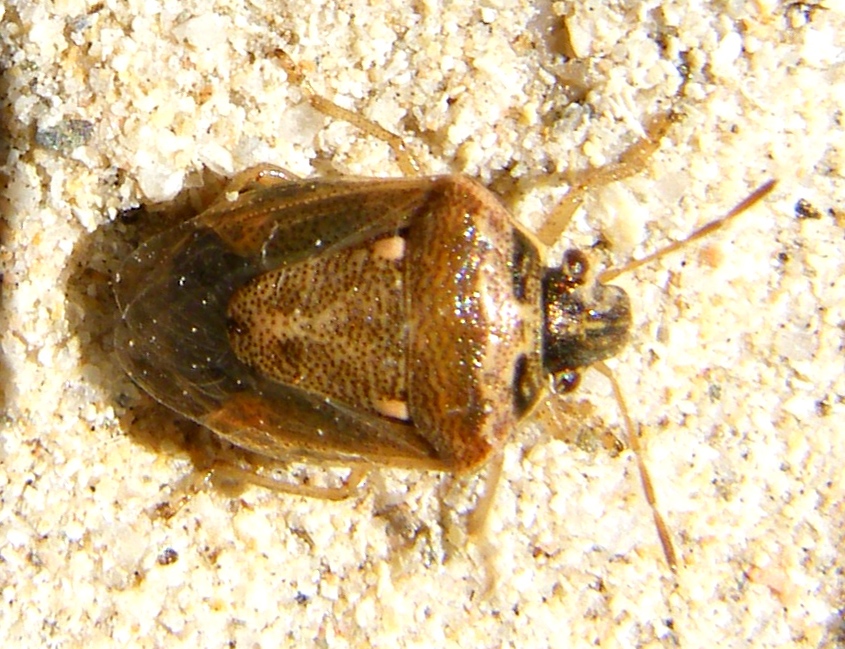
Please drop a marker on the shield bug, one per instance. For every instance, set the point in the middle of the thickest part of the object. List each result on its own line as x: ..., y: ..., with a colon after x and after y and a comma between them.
x: 400, y: 322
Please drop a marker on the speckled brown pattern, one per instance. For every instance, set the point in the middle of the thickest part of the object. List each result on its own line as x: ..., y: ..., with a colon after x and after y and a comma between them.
x: 469, y: 328
x: 333, y: 325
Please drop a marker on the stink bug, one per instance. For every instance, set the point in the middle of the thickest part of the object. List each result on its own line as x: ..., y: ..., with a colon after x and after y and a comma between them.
x: 402, y: 322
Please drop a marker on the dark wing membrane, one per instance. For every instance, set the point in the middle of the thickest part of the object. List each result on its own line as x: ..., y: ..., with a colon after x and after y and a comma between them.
x: 293, y: 220
x: 174, y: 291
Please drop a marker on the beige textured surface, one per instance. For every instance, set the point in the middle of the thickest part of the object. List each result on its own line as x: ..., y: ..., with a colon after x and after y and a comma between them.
x: 735, y: 376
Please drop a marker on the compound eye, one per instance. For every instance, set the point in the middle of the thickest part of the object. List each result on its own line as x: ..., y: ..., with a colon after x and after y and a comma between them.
x: 574, y: 267
x: 566, y: 381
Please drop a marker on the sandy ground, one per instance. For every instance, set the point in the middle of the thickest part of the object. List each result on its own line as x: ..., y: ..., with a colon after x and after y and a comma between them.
x: 734, y: 376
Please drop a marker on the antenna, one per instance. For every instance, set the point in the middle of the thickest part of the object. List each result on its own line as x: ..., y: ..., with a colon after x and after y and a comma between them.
x: 755, y: 197
x: 633, y: 440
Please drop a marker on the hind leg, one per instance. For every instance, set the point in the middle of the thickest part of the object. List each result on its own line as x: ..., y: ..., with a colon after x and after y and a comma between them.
x: 406, y: 162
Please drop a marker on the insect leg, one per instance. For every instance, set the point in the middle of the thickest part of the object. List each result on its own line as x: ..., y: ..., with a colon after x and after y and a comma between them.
x: 406, y: 162
x: 224, y: 471
x: 630, y: 162
x: 261, y: 175
x: 645, y: 478
x: 481, y: 513
x: 229, y: 472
